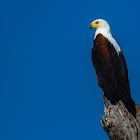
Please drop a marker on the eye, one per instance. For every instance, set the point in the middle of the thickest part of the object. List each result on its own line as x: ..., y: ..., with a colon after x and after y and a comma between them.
x: 97, y: 22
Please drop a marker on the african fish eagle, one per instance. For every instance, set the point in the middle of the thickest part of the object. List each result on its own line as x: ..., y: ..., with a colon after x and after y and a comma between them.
x: 110, y: 66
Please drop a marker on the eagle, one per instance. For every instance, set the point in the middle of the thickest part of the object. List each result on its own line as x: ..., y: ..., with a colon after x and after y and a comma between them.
x: 110, y: 66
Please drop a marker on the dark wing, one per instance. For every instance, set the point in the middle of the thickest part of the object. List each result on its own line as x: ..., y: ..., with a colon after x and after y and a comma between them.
x: 120, y: 70
x: 130, y: 105
x: 124, y: 72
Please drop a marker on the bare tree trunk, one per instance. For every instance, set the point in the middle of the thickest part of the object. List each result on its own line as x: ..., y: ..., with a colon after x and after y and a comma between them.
x: 119, y: 124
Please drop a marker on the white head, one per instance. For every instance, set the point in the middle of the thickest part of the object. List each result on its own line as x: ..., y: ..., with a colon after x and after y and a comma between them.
x: 100, y: 24
x: 103, y: 28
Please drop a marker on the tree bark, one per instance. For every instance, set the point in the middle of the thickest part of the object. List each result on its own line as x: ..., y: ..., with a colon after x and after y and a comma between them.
x: 118, y: 123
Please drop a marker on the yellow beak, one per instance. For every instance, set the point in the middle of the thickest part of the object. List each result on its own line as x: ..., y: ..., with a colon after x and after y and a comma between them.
x: 93, y: 25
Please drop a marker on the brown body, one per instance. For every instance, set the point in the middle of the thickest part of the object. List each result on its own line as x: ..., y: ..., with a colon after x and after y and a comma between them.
x: 111, y: 71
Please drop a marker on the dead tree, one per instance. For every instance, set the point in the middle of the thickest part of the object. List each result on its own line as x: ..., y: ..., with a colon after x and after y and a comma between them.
x: 118, y: 123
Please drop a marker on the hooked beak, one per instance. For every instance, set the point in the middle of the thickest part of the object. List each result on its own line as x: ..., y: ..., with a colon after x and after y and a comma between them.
x: 90, y: 26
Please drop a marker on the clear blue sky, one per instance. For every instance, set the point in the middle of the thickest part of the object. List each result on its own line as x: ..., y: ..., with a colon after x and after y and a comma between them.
x: 48, y: 86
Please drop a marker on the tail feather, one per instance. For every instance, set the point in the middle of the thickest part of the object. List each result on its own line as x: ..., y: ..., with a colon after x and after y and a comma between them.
x: 130, y: 105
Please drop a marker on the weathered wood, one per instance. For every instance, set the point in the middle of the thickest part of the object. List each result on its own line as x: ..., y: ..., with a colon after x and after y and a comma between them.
x: 119, y: 124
